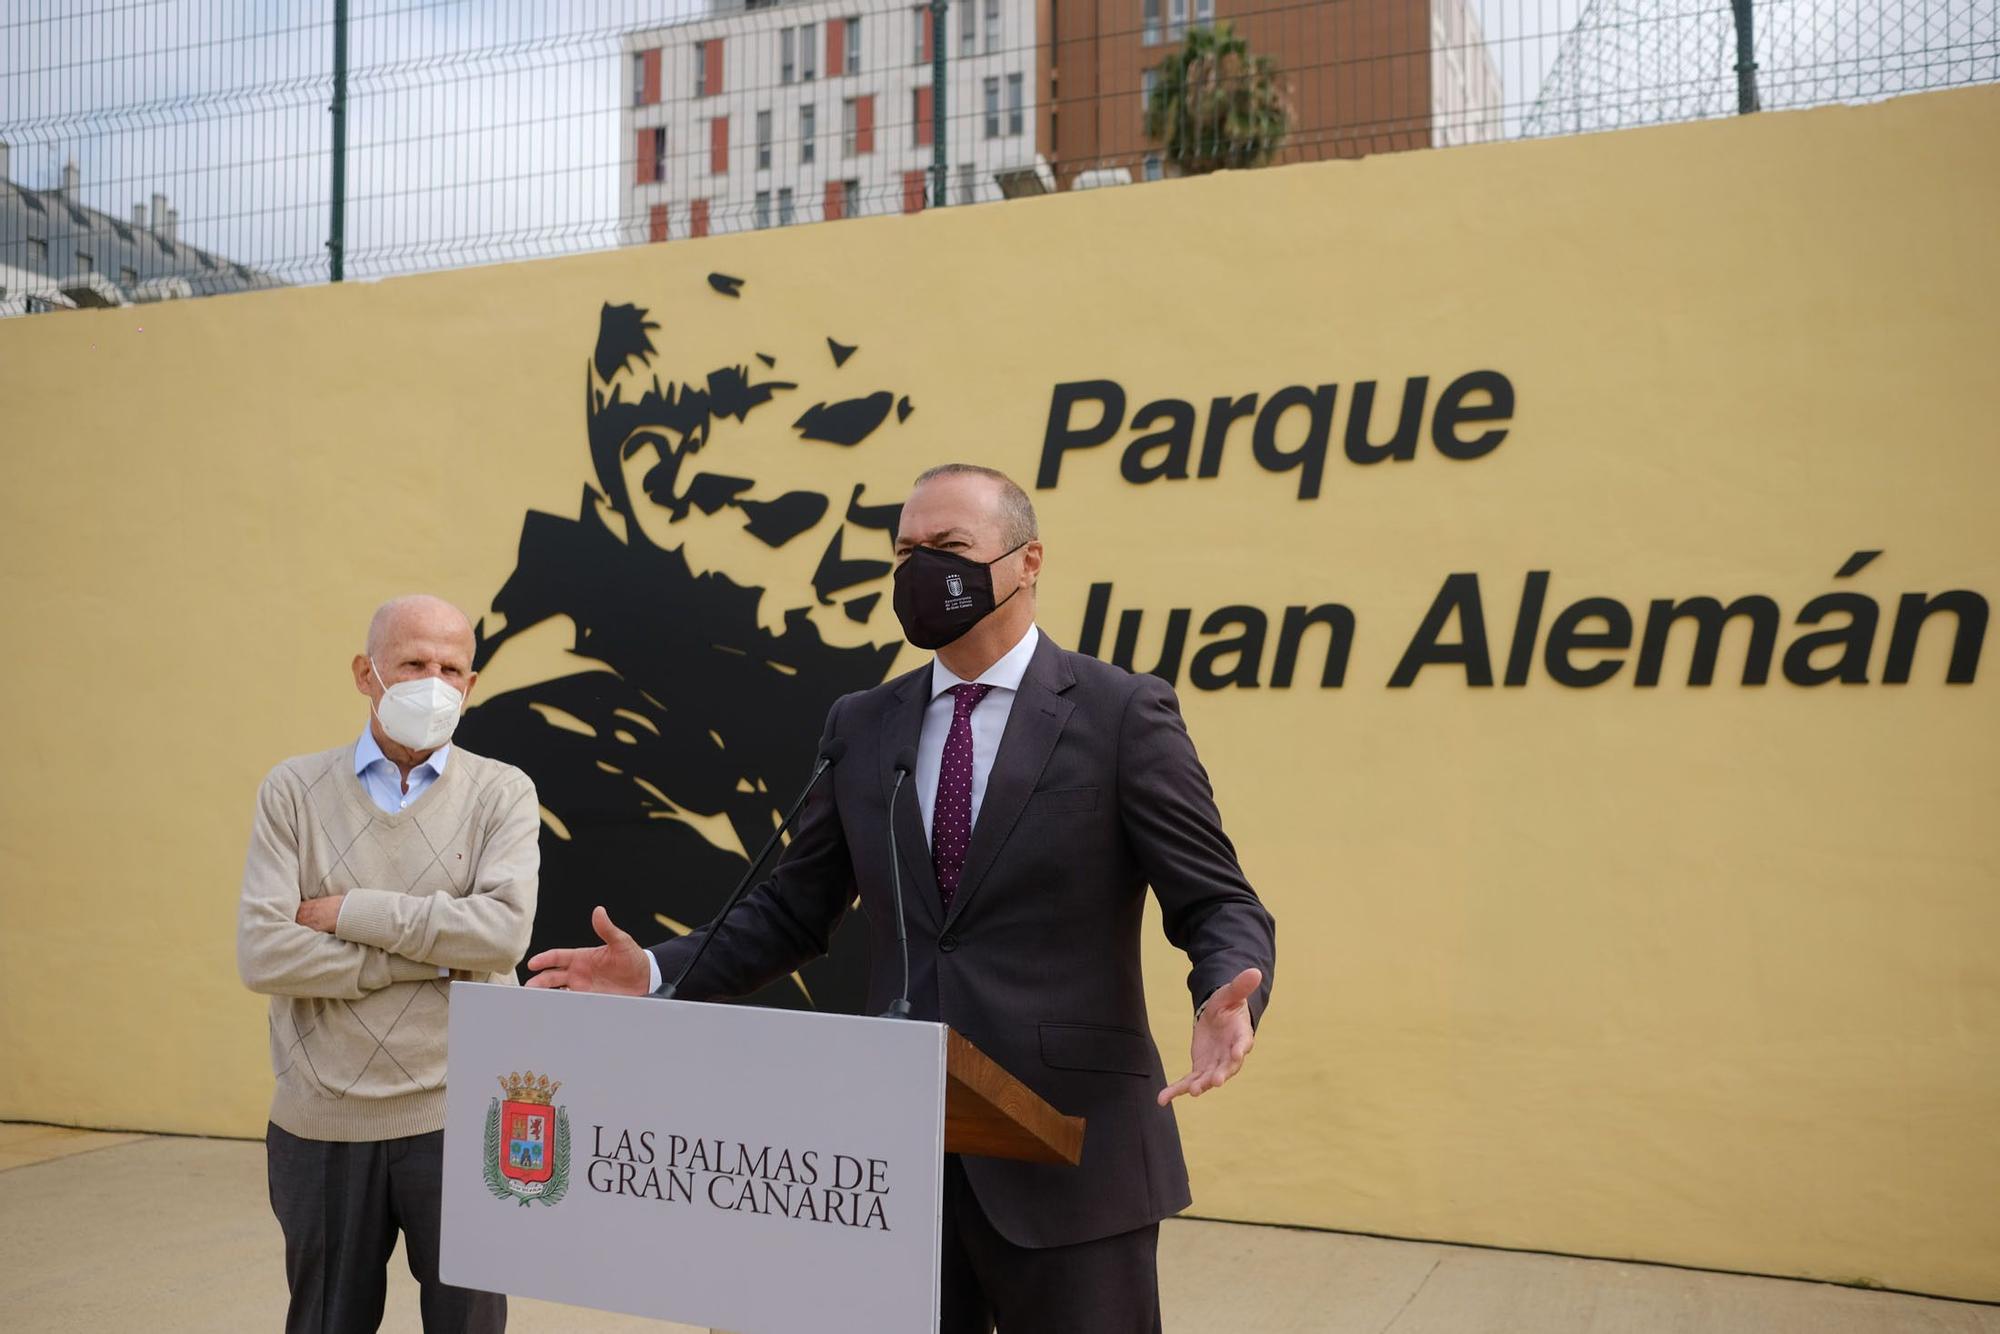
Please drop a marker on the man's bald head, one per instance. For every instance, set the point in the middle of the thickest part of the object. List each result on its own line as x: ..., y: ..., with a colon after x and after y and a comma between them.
x: 418, y: 613
x: 411, y: 637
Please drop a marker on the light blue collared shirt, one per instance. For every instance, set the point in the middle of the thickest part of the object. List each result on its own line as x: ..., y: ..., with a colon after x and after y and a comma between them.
x: 379, y: 775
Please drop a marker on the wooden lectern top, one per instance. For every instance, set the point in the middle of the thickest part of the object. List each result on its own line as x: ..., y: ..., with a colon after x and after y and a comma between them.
x: 991, y: 1114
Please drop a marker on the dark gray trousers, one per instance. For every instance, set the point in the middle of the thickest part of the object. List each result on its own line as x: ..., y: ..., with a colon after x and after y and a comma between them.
x: 1108, y: 1286
x: 340, y: 1205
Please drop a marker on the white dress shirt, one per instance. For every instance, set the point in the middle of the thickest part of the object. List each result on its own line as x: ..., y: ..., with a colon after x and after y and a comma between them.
x: 989, y: 724
x: 378, y: 774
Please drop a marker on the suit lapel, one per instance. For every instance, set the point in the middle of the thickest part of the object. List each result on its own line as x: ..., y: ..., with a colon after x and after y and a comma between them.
x: 1034, y: 724
x: 900, y: 731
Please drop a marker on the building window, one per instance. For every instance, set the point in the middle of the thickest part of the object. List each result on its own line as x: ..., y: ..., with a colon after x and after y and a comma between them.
x: 652, y: 155
x: 786, y: 65
x: 38, y: 248
x: 638, y: 78
x: 849, y: 125
x: 922, y: 54
x: 718, y: 146
x: 1148, y: 81
x: 921, y: 116
x: 787, y: 214
x: 763, y: 209
x: 850, y: 199
x: 808, y: 128
x: 1177, y: 19
x: 993, y: 108
x: 1013, y: 104
x: 968, y: 183
x: 656, y: 224
x: 1154, y: 168
x: 992, y: 26
x: 1153, y: 34
x: 968, y: 27
x: 853, y: 32
x: 698, y: 218
x: 763, y: 140
x: 701, y: 69
x: 808, y: 52
x: 1204, y: 12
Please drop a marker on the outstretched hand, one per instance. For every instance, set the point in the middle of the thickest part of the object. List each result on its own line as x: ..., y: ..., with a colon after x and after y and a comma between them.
x: 1222, y: 1038
x: 617, y: 966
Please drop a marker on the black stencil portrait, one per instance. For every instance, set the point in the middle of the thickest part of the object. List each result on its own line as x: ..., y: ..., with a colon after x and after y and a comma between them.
x: 687, y: 703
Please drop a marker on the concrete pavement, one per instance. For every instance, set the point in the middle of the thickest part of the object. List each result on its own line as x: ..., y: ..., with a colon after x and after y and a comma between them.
x: 130, y: 1232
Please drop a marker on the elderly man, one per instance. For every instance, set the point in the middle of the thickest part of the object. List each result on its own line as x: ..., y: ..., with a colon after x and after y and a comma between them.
x: 1050, y: 790
x: 377, y: 873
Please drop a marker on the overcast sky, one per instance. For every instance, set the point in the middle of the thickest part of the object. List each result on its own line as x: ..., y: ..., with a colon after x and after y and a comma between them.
x: 483, y: 130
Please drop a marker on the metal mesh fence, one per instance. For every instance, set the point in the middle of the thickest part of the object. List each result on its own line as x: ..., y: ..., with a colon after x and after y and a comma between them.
x: 159, y: 148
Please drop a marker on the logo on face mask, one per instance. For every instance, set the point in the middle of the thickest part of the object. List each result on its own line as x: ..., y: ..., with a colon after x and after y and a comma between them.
x: 935, y: 611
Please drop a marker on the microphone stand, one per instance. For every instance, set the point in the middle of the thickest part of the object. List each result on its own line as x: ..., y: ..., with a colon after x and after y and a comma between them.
x: 828, y: 756
x: 899, y: 1008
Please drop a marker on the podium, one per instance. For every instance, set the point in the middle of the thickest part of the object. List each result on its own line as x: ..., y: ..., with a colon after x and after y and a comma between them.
x: 758, y: 1171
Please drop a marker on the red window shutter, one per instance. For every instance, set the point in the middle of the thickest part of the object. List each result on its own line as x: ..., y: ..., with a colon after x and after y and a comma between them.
x: 646, y: 176
x: 712, y: 57
x: 651, y: 81
x: 698, y: 218
x: 718, y: 145
x: 913, y: 192
x: 924, y: 113
x: 864, y: 124
x: 656, y: 228
x: 836, y: 47
x: 930, y: 35
x: 836, y: 201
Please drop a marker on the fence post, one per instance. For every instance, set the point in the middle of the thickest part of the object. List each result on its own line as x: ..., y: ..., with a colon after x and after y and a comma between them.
x: 938, y: 154
x: 337, y: 233
x: 1746, y: 59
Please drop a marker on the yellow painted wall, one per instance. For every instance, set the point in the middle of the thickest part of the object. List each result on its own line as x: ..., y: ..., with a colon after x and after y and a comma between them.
x: 1701, y: 975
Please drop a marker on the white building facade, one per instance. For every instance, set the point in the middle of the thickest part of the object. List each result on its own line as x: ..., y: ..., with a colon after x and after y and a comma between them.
x: 818, y: 110
x: 1466, y: 93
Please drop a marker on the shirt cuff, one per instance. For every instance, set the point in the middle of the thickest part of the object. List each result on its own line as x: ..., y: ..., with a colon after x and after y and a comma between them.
x: 653, y: 963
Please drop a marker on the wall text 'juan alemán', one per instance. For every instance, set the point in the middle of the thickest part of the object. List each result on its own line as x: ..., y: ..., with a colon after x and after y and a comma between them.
x: 1591, y: 641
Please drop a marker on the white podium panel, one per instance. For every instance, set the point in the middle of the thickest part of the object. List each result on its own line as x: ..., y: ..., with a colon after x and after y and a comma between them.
x: 762, y: 1171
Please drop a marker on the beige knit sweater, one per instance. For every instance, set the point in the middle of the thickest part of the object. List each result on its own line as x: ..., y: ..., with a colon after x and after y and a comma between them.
x: 358, y: 1017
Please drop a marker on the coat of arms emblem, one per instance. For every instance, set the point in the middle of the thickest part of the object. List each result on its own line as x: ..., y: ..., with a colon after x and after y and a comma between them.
x: 954, y: 586
x: 527, y: 1141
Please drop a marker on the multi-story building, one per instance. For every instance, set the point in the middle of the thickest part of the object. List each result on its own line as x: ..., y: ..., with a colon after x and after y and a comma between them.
x: 1364, y: 76
x: 762, y: 115
x: 57, y: 254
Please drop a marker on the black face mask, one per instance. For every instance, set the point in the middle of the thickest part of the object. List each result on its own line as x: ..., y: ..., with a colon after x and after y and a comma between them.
x: 940, y: 596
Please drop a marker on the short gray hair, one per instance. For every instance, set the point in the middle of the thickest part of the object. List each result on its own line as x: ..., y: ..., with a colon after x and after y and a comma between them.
x: 1017, y: 512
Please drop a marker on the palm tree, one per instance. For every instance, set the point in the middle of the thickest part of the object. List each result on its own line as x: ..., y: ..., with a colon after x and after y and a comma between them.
x: 1216, y: 105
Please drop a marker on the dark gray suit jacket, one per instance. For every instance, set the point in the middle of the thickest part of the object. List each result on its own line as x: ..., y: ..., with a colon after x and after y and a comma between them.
x: 1095, y: 793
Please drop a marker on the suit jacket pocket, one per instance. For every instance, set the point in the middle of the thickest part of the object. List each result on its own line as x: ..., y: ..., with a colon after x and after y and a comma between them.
x: 1058, y: 799
x: 1093, y: 1047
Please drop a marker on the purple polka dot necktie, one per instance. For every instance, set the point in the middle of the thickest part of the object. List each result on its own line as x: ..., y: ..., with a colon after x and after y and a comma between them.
x: 951, y: 813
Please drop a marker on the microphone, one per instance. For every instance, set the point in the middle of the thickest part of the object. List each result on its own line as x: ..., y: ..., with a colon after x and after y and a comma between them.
x: 829, y: 755
x: 906, y: 764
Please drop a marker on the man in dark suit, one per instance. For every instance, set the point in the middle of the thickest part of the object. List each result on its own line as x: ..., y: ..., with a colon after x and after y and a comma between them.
x: 1050, y: 789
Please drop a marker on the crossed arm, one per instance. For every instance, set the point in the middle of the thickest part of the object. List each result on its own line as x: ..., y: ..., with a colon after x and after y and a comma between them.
x: 342, y: 947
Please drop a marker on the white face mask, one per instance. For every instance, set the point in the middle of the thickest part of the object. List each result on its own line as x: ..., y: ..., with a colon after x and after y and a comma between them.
x: 420, y: 714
